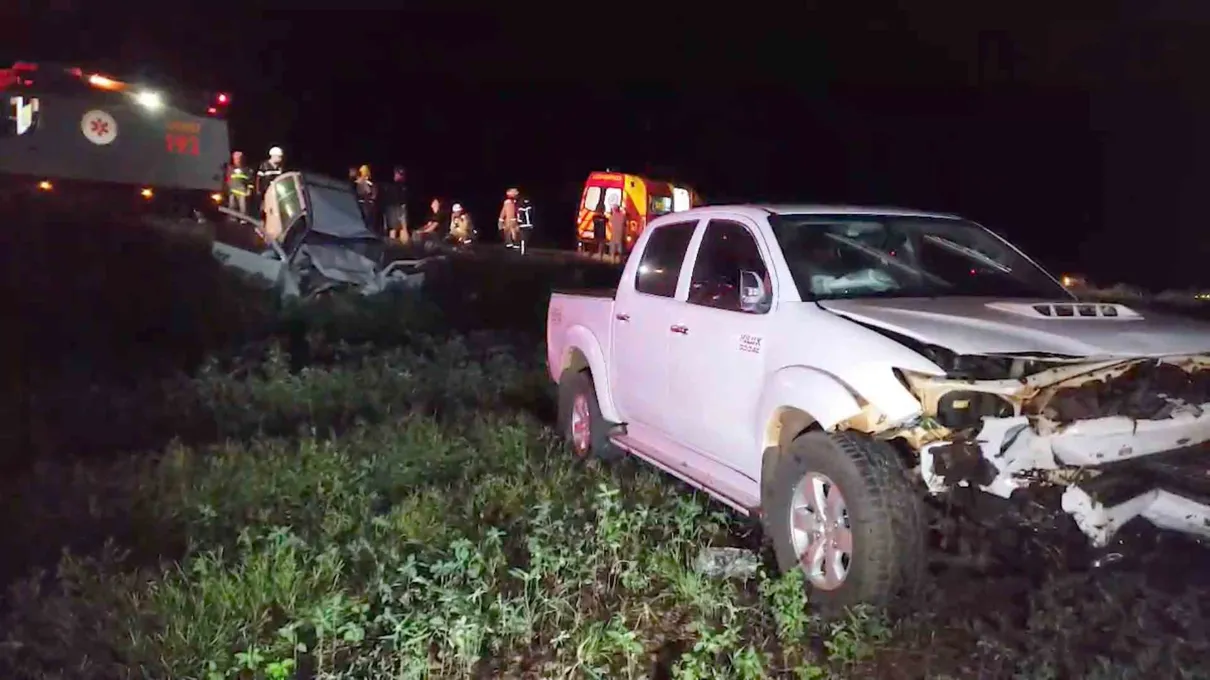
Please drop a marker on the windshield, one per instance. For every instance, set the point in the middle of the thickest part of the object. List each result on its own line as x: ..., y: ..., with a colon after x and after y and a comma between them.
x: 855, y: 256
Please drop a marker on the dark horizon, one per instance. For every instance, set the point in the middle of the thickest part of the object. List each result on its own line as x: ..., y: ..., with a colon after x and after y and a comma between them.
x: 1073, y: 138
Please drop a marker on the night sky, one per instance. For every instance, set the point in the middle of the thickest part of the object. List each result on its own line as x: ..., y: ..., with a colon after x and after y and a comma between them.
x: 1081, y: 137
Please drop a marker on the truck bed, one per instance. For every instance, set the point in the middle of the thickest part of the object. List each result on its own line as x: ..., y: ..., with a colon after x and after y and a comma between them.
x: 579, y: 317
x: 587, y: 292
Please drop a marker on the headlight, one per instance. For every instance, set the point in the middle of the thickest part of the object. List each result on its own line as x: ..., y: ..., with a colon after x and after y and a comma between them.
x: 954, y: 406
x: 152, y: 101
x: 960, y: 409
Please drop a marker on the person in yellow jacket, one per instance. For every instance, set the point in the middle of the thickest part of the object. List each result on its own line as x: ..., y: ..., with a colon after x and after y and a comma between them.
x: 462, y: 232
x: 364, y: 185
x: 367, y: 197
x: 239, y: 184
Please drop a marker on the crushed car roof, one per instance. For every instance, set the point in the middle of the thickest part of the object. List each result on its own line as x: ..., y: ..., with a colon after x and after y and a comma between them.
x: 334, y: 208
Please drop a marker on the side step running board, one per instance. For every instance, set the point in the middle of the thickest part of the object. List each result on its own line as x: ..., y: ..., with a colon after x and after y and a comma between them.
x: 681, y: 472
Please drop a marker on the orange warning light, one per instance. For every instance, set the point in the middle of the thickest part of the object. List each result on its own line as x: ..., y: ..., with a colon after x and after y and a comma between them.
x: 103, y: 83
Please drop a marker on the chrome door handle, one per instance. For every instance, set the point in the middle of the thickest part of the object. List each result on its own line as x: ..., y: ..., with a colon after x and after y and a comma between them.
x: 622, y: 317
x: 683, y: 330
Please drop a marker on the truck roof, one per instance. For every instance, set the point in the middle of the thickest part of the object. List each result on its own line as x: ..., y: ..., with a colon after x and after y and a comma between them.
x: 756, y: 210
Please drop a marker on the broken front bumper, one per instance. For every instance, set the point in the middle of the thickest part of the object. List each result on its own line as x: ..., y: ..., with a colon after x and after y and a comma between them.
x: 1007, y: 455
x: 1115, y: 466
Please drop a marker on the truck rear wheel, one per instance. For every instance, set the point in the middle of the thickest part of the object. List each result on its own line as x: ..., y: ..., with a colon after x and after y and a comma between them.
x: 840, y: 507
x: 580, y: 418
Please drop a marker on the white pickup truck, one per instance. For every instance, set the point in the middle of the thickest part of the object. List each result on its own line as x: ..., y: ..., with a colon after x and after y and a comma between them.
x: 825, y: 368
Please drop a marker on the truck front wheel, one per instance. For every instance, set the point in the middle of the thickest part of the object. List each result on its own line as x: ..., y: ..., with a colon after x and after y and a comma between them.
x: 840, y: 508
x: 580, y: 419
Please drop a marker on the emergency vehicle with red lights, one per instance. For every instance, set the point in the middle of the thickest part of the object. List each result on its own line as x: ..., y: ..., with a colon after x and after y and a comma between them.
x: 67, y: 130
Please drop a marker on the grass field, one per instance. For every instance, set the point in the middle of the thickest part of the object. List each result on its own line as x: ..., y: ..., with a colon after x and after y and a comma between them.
x: 204, y: 485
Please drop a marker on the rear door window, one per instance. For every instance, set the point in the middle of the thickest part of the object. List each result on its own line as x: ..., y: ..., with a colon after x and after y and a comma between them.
x: 592, y: 197
x: 21, y: 116
x: 660, y: 267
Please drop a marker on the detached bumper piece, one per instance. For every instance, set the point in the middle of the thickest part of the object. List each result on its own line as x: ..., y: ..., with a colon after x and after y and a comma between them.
x: 1171, y: 491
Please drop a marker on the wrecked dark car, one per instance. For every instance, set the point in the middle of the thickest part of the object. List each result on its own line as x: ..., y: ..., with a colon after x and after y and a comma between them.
x: 317, y: 241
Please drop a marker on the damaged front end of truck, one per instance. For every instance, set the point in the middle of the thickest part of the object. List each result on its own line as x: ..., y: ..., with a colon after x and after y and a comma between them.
x: 1106, y: 441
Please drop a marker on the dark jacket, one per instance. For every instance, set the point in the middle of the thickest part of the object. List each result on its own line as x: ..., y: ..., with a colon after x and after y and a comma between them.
x: 266, y: 173
x: 392, y: 194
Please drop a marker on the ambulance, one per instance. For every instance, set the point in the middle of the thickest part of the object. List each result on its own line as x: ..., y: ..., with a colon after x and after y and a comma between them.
x: 642, y: 198
x: 67, y: 132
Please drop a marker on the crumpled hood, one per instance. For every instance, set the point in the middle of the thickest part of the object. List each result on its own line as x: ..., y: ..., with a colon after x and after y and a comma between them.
x: 987, y: 326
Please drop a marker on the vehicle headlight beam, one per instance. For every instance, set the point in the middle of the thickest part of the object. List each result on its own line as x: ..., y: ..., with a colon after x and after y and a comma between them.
x: 152, y: 101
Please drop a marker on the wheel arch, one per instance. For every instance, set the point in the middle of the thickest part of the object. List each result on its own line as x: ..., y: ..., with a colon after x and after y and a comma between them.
x: 583, y: 353
x: 796, y: 400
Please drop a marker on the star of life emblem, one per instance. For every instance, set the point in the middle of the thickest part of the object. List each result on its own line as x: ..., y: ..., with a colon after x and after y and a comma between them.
x: 99, y: 127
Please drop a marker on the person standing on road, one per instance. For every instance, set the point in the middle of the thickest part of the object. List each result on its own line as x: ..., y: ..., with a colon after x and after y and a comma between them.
x: 366, y: 195
x: 617, y: 230
x: 599, y: 220
x: 238, y: 184
x: 525, y: 220
x: 268, y: 171
x: 393, y: 198
x: 507, y: 222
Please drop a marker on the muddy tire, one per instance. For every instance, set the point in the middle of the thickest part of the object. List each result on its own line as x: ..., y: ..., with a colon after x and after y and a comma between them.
x: 868, y: 544
x: 580, y: 419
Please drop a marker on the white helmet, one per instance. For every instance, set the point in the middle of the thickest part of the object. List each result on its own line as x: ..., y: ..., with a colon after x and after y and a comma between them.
x: 276, y: 151
x: 457, y: 207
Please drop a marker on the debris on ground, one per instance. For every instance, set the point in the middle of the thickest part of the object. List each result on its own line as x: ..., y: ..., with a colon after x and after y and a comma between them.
x: 727, y: 563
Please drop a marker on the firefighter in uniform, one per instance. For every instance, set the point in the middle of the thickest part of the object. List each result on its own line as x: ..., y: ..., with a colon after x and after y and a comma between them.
x: 268, y: 171
x: 525, y: 220
x: 507, y: 222
x: 462, y: 232
x: 238, y: 184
